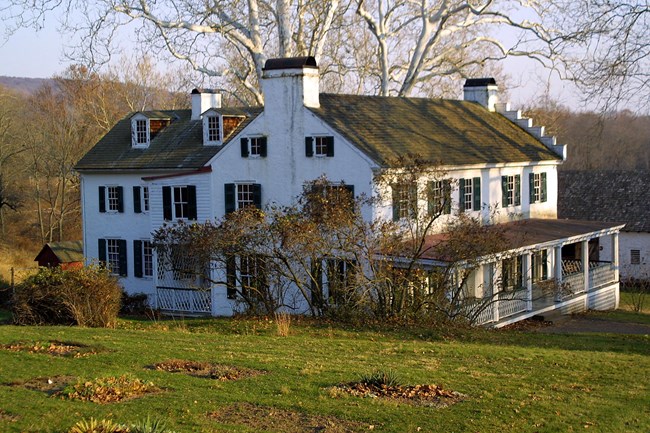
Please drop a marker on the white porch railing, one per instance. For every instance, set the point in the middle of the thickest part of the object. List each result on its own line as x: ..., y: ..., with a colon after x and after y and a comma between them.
x: 601, y: 274
x: 184, y: 300
x: 574, y: 283
x: 510, y: 304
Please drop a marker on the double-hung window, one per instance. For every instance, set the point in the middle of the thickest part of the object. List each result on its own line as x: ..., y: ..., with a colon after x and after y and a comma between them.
x: 246, y: 273
x: 179, y: 202
x: 112, y: 252
x: 319, y: 145
x: 511, y: 190
x: 439, y: 197
x: 405, y: 201
x: 242, y: 195
x: 469, y: 194
x: 212, y: 128
x: 537, y: 182
x: 111, y: 199
x: 253, y: 147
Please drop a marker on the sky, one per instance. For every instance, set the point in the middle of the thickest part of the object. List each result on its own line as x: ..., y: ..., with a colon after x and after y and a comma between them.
x: 32, y: 54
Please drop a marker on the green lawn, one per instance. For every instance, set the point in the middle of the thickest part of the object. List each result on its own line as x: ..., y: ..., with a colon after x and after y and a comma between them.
x: 514, y: 381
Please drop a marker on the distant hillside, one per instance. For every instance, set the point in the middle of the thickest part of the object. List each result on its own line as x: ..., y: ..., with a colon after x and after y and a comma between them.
x: 23, y: 84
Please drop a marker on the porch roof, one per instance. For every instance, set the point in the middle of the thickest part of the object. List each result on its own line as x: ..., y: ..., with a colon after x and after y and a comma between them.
x: 532, y: 234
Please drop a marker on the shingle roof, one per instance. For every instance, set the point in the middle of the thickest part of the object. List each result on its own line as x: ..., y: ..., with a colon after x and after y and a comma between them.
x: 66, y: 252
x: 178, y: 146
x: 437, y: 130
x: 603, y: 195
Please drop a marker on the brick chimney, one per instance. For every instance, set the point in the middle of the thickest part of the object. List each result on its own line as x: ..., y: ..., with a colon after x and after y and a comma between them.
x: 204, y: 99
x: 482, y: 90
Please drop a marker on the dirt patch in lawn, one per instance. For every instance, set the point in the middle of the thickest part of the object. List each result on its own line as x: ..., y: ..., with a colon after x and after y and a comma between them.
x: 53, y: 348
x: 264, y: 418
x: 418, y: 395
x: 49, y: 385
x: 207, y: 370
x: 6, y: 416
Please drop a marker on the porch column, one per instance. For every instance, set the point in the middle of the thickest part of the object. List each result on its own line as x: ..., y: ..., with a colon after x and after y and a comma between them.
x: 557, y: 271
x: 616, y: 264
x: 528, y: 280
x: 585, y: 264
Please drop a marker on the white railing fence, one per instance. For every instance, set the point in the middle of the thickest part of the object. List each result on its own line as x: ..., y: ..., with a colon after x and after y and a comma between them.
x: 184, y: 300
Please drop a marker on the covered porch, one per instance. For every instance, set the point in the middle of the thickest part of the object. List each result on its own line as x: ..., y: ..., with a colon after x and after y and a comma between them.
x: 553, y: 266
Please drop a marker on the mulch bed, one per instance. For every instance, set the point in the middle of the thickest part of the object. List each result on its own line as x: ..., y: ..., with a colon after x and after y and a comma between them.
x: 270, y: 419
x: 207, y: 370
x: 419, y: 395
x: 53, y: 348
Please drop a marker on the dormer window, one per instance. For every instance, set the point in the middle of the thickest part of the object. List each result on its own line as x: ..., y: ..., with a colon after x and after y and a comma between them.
x: 212, y: 129
x: 140, y: 131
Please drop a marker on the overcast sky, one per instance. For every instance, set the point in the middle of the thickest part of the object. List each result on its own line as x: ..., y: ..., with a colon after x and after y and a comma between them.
x: 41, y: 55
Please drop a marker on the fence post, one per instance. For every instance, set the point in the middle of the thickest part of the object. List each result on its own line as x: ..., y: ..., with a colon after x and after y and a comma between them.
x: 12, y: 281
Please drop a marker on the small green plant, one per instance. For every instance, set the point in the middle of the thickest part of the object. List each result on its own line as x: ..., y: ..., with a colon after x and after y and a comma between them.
x: 381, y: 378
x: 97, y: 426
x: 149, y: 426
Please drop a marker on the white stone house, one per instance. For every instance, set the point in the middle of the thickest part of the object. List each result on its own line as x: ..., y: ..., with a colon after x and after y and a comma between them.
x: 612, y: 196
x: 158, y: 167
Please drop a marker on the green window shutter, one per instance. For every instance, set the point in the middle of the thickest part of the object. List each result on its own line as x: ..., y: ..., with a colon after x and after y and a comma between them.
x: 461, y: 194
x: 542, y: 182
x: 257, y: 195
x: 476, y: 189
x: 396, y: 210
x: 309, y: 147
x: 121, y: 244
x: 120, y: 199
x: 137, y: 258
x: 101, y: 251
x: 167, y: 202
x: 244, y: 147
x: 137, y: 205
x: 191, y: 202
x: 531, y: 188
x: 102, y: 199
x: 263, y: 141
x: 229, y: 195
x: 504, y: 191
x: 517, y: 190
x: 231, y: 277
x: 329, y: 141
x: 446, y: 189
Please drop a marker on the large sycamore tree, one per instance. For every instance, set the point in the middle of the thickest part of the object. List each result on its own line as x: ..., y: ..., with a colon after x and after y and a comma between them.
x: 383, y: 47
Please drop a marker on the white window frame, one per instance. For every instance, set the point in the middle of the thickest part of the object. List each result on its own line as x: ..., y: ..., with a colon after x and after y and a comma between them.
x: 207, y: 118
x: 320, y: 145
x: 244, y: 195
x: 137, y: 133
x: 510, y: 189
x: 468, y: 196
x: 183, y: 204
x: 537, y: 187
x: 147, y: 259
x: 144, y: 191
x: 255, y: 146
x: 112, y: 199
x: 113, y: 255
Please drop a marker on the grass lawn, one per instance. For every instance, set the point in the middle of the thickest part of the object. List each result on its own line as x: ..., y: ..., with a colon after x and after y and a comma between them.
x: 514, y: 381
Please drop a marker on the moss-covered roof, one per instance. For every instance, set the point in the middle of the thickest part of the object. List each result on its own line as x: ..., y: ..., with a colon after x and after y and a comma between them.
x: 436, y: 130
x: 177, y: 146
x: 66, y: 252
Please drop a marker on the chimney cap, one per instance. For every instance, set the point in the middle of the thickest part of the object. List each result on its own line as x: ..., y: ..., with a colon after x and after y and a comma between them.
x: 480, y: 82
x: 291, y: 63
x: 199, y: 91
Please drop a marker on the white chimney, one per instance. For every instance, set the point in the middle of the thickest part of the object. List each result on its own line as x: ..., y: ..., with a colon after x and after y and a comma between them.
x: 291, y: 83
x: 482, y: 90
x: 204, y: 99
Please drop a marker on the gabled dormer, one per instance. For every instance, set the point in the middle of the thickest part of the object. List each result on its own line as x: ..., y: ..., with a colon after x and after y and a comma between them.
x: 212, y: 128
x: 145, y: 125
